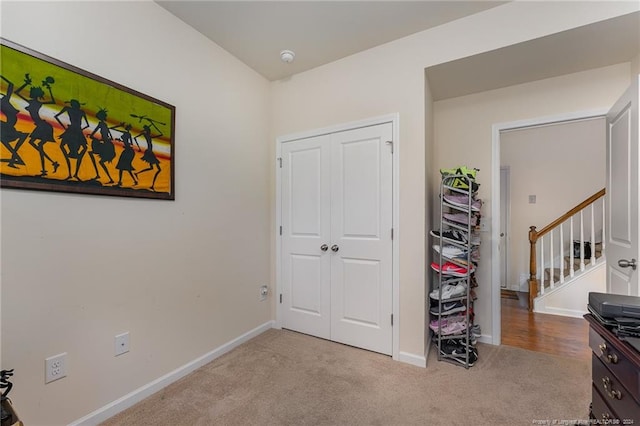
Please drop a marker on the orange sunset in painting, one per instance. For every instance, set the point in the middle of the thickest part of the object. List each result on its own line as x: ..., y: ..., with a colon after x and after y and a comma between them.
x: 63, y: 129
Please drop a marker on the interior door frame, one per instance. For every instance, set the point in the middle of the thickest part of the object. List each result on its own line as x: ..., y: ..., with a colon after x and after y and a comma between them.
x: 504, y: 248
x: 496, y: 311
x: 394, y: 119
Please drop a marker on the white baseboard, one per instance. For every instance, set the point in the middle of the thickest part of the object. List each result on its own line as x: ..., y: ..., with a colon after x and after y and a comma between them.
x: 149, y: 389
x: 560, y: 311
x: 486, y: 338
x: 413, y: 359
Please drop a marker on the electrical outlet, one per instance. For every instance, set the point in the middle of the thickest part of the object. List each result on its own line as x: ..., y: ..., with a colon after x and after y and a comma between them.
x: 264, y: 291
x: 55, y: 367
x: 122, y: 343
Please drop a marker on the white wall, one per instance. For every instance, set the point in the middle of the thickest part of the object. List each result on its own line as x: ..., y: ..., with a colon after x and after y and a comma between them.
x: 635, y: 66
x: 390, y: 78
x: 562, y: 165
x: 181, y: 276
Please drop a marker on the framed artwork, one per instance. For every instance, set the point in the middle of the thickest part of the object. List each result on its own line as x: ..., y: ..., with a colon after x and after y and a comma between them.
x: 65, y: 129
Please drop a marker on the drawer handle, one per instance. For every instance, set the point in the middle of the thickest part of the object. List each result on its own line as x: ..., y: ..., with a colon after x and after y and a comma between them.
x: 608, y: 388
x: 610, y: 358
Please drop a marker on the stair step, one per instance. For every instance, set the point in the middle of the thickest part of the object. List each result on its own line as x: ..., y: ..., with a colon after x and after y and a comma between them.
x: 576, y: 261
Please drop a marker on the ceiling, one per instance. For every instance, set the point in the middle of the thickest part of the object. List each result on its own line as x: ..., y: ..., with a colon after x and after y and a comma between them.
x: 318, y: 32
x: 604, y: 43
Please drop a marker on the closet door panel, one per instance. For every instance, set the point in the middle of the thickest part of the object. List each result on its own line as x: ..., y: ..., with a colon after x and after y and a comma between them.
x: 305, y: 228
x: 361, y: 221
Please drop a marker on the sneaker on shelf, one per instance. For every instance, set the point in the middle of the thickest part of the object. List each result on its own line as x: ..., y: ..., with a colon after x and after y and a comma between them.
x: 449, y: 291
x: 460, y: 355
x: 475, y: 330
x: 452, y: 269
x: 451, y: 234
x: 448, y: 250
x: 462, y: 201
x: 453, y: 328
x: 458, y: 179
x: 461, y: 218
x: 448, y: 308
x: 473, y: 295
x: 447, y: 322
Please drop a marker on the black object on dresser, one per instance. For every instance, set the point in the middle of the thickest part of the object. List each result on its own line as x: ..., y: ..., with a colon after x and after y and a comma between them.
x: 615, y: 387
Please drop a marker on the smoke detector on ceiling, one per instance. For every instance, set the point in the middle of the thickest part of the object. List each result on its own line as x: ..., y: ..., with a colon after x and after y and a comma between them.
x: 287, y: 56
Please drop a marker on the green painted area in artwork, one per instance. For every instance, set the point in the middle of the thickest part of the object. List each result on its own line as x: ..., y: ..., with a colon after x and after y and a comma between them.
x: 92, y: 94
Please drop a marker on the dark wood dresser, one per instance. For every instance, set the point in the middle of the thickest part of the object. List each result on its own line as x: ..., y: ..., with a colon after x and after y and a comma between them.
x: 615, y: 387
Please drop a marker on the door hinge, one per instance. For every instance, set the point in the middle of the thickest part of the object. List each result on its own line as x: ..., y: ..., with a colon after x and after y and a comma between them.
x: 280, y: 297
x: 391, y: 319
x: 392, y: 233
x: 280, y: 161
x: 391, y: 143
x: 281, y: 230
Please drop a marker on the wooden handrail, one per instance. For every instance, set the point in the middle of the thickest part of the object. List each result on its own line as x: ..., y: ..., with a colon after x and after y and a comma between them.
x: 566, y: 216
x: 535, y: 234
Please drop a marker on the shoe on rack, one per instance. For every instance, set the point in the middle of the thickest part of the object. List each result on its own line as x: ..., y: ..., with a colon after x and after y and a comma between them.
x: 449, y: 291
x: 462, y: 201
x: 450, y: 234
x: 448, y: 308
x: 453, y: 328
x: 461, y: 218
x: 475, y: 330
x: 459, y: 180
x: 452, y: 269
x: 448, y: 250
x: 448, y: 322
x: 460, y: 355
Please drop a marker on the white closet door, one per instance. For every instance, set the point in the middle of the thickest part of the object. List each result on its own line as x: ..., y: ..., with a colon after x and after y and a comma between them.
x: 361, y: 222
x: 623, y: 156
x: 306, y: 227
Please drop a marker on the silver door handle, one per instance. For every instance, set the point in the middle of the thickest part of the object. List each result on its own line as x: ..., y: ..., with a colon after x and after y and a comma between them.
x: 335, y: 248
x: 324, y: 247
x: 624, y: 263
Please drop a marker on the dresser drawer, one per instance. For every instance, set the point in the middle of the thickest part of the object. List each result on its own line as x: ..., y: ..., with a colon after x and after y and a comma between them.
x: 599, y: 407
x: 613, y: 392
x: 621, y: 367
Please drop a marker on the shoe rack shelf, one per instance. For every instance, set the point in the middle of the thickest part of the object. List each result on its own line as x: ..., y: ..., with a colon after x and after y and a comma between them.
x: 455, y: 247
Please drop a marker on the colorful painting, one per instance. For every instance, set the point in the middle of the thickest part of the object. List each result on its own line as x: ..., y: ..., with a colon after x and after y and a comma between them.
x: 65, y: 129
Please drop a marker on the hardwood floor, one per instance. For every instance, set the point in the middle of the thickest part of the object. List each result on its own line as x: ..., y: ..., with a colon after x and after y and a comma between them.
x: 546, y: 333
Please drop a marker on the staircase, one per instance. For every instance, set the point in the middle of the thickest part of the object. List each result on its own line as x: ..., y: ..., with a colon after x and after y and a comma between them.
x: 565, y: 252
x: 566, y: 271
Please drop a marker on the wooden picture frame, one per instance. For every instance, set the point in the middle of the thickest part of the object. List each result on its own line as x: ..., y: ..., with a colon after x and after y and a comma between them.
x: 66, y: 129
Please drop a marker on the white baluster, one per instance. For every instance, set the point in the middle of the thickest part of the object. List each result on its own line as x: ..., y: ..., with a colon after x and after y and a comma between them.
x: 593, y: 235
x: 551, y: 262
x: 604, y: 215
x: 581, y: 240
x: 542, y: 265
x: 571, y: 261
x: 561, y: 253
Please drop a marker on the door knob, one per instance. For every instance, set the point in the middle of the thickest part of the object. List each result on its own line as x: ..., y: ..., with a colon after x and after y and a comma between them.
x: 324, y: 247
x: 502, y: 234
x: 335, y: 248
x: 624, y: 263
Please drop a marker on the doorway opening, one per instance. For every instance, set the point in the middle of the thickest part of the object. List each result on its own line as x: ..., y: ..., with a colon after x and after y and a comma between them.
x: 532, y: 187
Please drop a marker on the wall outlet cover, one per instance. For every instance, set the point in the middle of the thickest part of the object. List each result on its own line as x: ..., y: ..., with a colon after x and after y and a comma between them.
x: 122, y: 343
x: 55, y: 367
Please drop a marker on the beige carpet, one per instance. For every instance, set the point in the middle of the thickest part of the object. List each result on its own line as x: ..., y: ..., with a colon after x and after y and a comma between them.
x: 286, y: 378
